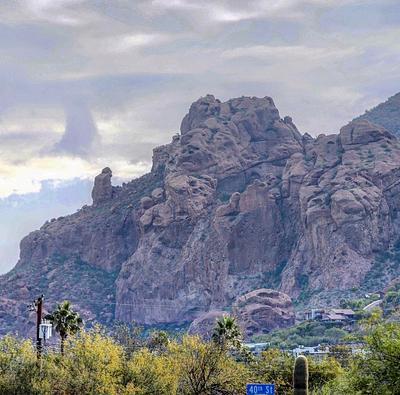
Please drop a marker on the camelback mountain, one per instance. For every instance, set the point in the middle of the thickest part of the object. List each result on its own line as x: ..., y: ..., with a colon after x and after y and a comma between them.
x: 239, y: 201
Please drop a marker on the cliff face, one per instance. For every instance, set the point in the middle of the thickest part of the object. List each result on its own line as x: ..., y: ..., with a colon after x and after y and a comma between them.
x: 240, y: 200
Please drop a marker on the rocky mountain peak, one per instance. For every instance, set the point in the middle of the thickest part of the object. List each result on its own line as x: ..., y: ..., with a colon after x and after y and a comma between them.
x: 202, y: 109
x: 225, y: 137
x: 239, y: 201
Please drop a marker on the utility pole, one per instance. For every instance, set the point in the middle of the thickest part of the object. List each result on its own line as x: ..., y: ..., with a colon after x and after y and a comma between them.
x: 39, y: 313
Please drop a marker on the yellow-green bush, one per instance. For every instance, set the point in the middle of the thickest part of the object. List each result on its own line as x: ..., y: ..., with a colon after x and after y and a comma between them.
x: 18, y: 369
x: 148, y: 373
x: 94, y: 363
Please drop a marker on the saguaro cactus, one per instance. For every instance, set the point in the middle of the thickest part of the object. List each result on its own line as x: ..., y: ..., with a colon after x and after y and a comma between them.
x: 300, y: 376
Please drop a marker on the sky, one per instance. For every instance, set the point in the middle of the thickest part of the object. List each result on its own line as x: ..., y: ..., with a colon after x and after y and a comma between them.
x: 89, y: 83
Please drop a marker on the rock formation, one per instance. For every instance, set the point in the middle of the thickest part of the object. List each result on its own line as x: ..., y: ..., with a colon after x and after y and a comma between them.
x: 204, y: 324
x: 240, y: 200
x: 102, y: 190
x: 386, y: 114
x: 257, y: 312
x: 263, y: 310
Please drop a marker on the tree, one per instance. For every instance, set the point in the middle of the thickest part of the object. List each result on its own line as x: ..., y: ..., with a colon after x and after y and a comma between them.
x: 379, y: 366
x: 227, y: 333
x: 65, y: 321
x: 19, y: 370
x: 376, y: 369
x: 205, y: 369
x: 151, y: 373
x: 274, y: 366
x: 158, y: 342
x: 342, y: 353
x: 93, y: 364
x: 129, y: 336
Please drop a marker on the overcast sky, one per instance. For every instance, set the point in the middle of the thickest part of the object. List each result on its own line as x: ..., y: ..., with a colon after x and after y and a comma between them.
x: 89, y: 84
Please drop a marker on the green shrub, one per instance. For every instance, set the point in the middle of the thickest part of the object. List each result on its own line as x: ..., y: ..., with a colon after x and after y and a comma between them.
x: 19, y: 372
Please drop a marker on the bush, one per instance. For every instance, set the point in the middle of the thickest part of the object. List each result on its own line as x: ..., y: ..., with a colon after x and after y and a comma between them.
x: 376, y: 371
x: 19, y: 372
x: 205, y: 368
x: 148, y: 373
x: 92, y: 364
x: 276, y: 367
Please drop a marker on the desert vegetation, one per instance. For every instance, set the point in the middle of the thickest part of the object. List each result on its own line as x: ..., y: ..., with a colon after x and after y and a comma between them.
x: 124, y: 361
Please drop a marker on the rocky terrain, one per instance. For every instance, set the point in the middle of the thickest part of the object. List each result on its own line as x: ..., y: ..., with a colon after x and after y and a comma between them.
x: 239, y: 201
x: 257, y: 312
x: 386, y: 114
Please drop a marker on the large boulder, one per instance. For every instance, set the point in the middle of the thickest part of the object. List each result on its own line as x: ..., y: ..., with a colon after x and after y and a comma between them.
x: 263, y: 310
x: 204, y: 324
x: 257, y: 312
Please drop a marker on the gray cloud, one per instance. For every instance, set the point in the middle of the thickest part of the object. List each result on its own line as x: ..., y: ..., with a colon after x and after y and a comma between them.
x: 80, y: 131
x: 133, y: 68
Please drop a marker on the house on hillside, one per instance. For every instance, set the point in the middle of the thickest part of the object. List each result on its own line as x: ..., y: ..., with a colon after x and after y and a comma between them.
x: 317, y: 352
x: 327, y: 315
x: 338, y: 315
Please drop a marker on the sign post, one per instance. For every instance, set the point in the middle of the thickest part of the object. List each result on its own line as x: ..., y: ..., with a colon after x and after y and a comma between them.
x: 260, y: 389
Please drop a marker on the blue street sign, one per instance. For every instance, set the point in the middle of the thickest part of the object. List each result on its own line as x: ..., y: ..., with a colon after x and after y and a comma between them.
x: 260, y: 389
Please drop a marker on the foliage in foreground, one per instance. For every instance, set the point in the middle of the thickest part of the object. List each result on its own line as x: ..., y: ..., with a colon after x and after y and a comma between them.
x: 96, y: 363
x: 375, y: 370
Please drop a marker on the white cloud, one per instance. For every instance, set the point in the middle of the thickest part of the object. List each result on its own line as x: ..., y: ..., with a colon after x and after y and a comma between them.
x: 27, y: 177
x: 127, y: 42
x: 236, y: 11
x: 56, y: 11
x: 291, y: 52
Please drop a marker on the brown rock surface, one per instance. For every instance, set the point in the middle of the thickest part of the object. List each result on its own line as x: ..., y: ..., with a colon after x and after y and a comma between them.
x: 102, y: 190
x: 257, y: 312
x: 239, y: 201
x: 204, y: 324
x: 263, y: 310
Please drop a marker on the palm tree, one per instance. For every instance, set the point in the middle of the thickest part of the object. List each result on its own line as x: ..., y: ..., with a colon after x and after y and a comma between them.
x: 65, y: 321
x: 227, y: 332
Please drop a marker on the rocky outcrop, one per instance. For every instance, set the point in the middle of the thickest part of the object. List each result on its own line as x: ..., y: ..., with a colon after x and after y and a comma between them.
x: 257, y: 312
x: 386, y: 114
x: 239, y: 147
x: 102, y: 190
x: 238, y: 201
x: 204, y: 324
x: 263, y: 310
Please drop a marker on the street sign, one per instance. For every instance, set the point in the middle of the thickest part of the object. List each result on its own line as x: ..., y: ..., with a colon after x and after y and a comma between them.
x: 260, y: 389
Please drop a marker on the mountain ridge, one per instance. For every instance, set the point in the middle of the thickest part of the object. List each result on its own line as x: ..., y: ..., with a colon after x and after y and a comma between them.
x: 240, y: 200
x: 386, y: 114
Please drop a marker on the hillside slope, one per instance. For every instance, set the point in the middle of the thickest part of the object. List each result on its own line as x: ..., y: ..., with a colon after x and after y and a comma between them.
x: 386, y: 114
x: 240, y: 200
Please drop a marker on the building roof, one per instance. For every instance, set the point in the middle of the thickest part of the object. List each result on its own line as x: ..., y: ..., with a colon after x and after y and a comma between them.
x: 343, y: 311
x: 336, y: 317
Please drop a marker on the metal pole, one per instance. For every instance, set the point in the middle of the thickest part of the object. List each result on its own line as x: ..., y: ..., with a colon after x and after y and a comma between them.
x: 39, y: 313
